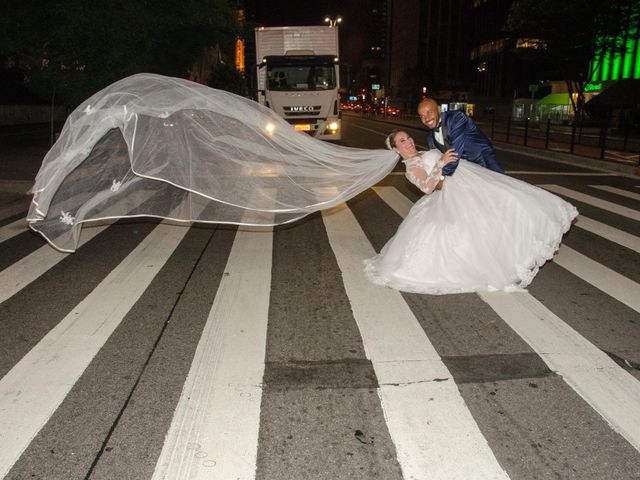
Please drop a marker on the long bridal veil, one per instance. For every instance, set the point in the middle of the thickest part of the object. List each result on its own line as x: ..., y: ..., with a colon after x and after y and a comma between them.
x: 164, y: 147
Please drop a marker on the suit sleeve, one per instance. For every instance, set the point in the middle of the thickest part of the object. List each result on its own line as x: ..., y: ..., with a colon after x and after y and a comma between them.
x: 470, y: 143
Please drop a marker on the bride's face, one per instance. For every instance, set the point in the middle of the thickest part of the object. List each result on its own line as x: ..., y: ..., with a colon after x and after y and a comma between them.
x: 405, y: 145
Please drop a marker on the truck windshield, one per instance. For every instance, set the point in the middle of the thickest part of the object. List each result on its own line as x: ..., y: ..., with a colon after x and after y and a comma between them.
x: 301, y: 77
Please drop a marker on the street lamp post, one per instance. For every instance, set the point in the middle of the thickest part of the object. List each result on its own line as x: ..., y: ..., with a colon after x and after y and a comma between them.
x: 333, y: 22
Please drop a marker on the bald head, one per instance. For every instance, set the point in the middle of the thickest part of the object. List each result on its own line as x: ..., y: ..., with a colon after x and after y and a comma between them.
x: 429, y: 113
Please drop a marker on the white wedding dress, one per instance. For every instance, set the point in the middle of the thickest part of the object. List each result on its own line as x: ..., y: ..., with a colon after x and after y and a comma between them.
x: 483, y: 231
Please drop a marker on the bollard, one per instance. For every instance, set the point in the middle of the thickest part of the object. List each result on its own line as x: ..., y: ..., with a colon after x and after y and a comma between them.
x: 626, y: 138
x: 546, y: 137
x: 603, y: 138
x: 526, y: 130
x: 493, y: 123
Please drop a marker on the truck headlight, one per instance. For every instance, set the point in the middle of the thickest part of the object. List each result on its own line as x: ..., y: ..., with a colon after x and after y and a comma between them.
x: 270, y: 128
x: 333, y: 126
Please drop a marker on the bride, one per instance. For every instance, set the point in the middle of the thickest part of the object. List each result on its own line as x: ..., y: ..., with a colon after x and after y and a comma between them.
x: 475, y: 231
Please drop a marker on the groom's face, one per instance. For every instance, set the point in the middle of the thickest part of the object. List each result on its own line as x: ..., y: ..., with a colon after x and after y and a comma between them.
x: 429, y: 114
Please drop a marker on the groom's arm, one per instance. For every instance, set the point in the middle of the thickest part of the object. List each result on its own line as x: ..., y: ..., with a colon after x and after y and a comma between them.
x: 457, y: 126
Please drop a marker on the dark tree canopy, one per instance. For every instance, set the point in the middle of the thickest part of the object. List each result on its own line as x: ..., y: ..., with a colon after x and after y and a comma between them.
x: 74, y: 48
x: 575, y: 33
x: 574, y: 30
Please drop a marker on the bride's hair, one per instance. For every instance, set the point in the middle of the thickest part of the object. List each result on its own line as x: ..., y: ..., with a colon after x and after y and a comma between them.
x: 390, y: 141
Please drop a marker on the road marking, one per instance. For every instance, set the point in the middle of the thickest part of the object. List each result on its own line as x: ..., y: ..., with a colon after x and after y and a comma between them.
x: 428, y: 420
x: 16, y: 186
x: 21, y: 273
x: 610, y: 390
x: 214, y: 431
x: 14, y: 209
x: 32, y: 390
x: 396, y: 200
x: 603, y: 278
x: 596, y: 202
x: 610, y: 233
x: 612, y: 283
x: 384, y: 134
x: 563, y: 174
x: 13, y: 229
x: 617, y: 191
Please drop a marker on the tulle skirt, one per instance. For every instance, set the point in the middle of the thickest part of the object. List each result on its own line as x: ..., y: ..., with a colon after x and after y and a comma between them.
x: 483, y: 231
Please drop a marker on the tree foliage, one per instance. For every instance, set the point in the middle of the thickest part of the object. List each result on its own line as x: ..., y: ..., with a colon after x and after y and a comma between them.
x: 575, y: 33
x: 72, y: 48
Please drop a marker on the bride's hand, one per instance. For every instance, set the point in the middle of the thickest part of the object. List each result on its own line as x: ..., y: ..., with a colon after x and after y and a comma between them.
x: 450, y: 156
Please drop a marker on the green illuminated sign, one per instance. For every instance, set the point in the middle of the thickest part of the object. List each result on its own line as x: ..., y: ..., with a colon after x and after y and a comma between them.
x: 592, y: 87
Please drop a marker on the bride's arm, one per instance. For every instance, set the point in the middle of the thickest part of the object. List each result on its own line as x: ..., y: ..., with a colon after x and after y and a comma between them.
x: 428, y: 180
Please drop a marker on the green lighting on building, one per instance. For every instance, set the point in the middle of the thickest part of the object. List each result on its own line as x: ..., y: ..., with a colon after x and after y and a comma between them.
x: 615, y: 71
x: 636, y: 70
x: 628, y: 58
x: 606, y: 67
x: 617, y: 65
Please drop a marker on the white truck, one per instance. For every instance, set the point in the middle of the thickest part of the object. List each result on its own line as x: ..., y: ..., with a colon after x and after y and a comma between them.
x: 298, y: 77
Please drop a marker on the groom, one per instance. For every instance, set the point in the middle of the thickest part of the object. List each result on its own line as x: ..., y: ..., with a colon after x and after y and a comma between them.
x: 454, y: 129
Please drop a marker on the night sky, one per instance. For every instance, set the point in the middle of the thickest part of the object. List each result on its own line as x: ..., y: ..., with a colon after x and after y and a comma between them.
x: 289, y: 12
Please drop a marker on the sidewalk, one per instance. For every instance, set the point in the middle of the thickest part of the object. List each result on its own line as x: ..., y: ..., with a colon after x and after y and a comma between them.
x: 535, y: 148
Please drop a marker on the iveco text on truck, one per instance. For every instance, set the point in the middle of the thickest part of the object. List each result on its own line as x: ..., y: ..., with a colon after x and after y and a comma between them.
x: 298, y: 77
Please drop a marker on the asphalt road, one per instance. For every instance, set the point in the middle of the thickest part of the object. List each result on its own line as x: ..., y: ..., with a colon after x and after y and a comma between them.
x: 160, y: 351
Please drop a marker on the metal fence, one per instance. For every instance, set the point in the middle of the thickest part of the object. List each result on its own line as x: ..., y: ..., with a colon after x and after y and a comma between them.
x: 595, y: 140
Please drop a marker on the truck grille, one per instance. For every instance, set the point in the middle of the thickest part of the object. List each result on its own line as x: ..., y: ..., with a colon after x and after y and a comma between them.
x: 302, y: 111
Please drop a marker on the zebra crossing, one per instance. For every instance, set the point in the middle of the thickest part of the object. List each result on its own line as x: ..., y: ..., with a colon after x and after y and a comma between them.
x: 215, y: 421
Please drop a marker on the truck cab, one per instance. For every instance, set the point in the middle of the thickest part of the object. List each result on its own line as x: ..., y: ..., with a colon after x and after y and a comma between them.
x: 301, y: 85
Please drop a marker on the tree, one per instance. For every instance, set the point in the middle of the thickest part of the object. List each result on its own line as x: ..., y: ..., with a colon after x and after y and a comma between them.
x: 577, y: 34
x: 72, y: 48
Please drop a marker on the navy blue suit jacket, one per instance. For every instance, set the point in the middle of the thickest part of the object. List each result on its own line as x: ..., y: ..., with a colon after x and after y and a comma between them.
x: 461, y: 134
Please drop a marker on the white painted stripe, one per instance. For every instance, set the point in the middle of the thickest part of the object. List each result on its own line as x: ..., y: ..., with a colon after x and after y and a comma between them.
x: 20, y: 274
x: 617, y: 191
x: 603, y: 278
x: 214, y: 431
x: 396, y: 200
x: 562, y: 174
x: 610, y: 390
x: 610, y: 282
x: 596, y: 202
x: 559, y: 174
x: 12, y: 210
x: 13, y: 229
x: 32, y: 390
x: 428, y: 420
x: 16, y: 186
x: 610, y: 233
x: 386, y: 132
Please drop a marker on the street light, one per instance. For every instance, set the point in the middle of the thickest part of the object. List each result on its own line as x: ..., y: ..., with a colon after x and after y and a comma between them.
x: 333, y: 22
